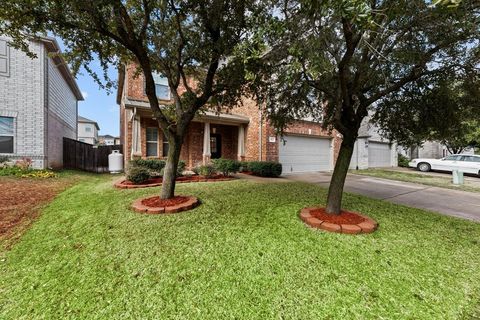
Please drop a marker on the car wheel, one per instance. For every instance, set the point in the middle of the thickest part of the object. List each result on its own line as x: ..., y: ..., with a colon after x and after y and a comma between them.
x: 424, y: 167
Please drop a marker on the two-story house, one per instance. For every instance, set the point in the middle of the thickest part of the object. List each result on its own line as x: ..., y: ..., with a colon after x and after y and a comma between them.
x: 108, y: 140
x: 241, y: 133
x: 87, y: 130
x: 38, y: 103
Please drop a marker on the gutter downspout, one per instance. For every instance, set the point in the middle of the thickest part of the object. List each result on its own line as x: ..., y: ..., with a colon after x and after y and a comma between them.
x: 357, y: 152
x: 260, y: 136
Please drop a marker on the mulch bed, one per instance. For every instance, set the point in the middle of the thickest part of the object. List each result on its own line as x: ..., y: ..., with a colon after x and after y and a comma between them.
x: 346, y: 222
x: 20, y: 203
x: 155, y: 182
x: 157, y: 202
x: 155, y: 205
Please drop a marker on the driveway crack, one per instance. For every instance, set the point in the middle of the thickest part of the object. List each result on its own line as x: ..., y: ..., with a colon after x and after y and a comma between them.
x: 405, y: 193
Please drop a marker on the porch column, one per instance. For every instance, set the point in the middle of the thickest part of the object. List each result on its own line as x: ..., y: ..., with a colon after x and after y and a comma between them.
x: 206, y: 143
x: 136, y: 137
x: 241, y: 142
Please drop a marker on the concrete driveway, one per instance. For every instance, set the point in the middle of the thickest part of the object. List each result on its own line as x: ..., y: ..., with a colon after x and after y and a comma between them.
x: 455, y: 203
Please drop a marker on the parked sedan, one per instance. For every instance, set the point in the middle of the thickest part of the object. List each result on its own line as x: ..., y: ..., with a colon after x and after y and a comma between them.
x: 466, y: 163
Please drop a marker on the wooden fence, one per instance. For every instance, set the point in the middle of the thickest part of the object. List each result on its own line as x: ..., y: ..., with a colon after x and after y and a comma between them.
x: 83, y: 156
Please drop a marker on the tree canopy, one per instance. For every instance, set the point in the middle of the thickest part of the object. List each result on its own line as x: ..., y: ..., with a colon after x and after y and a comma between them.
x: 336, y: 60
x: 446, y: 110
x: 192, y: 43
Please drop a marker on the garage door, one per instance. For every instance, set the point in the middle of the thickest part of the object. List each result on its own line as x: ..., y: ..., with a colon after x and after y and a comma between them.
x: 379, y: 154
x: 304, y: 154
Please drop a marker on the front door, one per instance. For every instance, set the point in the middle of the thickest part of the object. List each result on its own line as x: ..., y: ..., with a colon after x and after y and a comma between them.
x: 215, y: 146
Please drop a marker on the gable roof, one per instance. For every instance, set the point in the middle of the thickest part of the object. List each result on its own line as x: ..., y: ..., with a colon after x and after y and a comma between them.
x: 86, y: 120
x: 107, y: 136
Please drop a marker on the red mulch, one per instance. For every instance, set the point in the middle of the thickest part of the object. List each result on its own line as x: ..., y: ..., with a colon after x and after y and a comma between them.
x: 180, y: 179
x: 20, y: 201
x: 156, y: 202
x: 345, y: 217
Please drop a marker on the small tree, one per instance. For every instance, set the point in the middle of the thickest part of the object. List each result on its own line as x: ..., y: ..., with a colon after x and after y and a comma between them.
x: 446, y: 110
x: 191, y: 43
x: 339, y: 59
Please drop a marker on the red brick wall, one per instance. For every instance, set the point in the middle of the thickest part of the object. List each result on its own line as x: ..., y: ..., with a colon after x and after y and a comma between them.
x: 193, y: 144
x: 135, y: 88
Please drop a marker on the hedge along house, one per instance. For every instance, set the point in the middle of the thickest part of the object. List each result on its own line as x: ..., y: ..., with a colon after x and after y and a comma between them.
x: 240, y: 133
x: 38, y: 103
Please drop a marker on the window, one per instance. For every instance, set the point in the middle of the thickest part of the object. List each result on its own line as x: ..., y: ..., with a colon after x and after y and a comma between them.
x: 453, y: 158
x: 6, y: 135
x: 4, y: 59
x: 471, y: 159
x: 165, y: 146
x: 88, y: 129
x: 161, y: 86
x: 152, y: 142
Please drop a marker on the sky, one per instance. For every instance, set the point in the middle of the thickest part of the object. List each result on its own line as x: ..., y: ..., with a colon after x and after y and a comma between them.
x: 98, y: 104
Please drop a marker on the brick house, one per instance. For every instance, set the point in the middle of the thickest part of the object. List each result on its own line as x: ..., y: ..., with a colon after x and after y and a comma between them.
x: 241, y: 133
x: 38, y: 103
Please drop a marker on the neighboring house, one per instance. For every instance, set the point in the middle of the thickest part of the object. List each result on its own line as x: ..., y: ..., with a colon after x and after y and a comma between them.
x: 108, y: 140
x: 87, y: 130
x: 429, y: 150
x: 38, y: 103
x: 371, y: 150
x: 242, y: 133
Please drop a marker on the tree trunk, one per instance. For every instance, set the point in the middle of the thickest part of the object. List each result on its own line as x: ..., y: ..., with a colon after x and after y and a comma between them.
x: 335, y: 191
x: 170, y: 170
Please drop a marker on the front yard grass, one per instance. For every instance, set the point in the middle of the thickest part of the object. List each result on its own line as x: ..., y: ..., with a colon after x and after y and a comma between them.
x: 243, y: 254
x: 426, y: 179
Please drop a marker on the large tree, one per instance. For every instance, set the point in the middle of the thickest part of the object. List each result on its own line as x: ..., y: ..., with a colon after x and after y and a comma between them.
x: 192, y: 43
x: 446, y: 110
x: 338, y: 59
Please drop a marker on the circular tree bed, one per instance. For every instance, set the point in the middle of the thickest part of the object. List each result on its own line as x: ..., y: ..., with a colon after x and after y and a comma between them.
x: 155, y: 205
x: 346, y: 222
x: 155, y: 182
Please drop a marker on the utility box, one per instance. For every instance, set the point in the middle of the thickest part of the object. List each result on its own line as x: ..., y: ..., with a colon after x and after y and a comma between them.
x: 457, y: 177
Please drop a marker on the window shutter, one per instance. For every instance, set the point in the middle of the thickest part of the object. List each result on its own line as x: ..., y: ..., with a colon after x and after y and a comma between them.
x: 4, y: 59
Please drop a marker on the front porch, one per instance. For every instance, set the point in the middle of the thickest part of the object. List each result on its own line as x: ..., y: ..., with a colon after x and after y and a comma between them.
x: 209, y: 136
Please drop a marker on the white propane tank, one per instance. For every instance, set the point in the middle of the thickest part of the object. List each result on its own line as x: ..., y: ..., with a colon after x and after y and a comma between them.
x: 115, y: 162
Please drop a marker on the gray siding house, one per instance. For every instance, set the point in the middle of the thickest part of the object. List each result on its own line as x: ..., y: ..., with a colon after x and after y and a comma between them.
x: 38, y: 103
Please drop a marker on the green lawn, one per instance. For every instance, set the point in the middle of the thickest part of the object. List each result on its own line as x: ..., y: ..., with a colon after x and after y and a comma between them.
x: 426, y: 179
x: 243, y: 254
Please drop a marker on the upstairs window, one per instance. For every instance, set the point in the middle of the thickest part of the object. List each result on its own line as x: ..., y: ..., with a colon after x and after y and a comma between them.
x: 152, y: 142
x: 6, y: 135
x: 161, y: 86
x: 4, y: 59
x: 88, y: 129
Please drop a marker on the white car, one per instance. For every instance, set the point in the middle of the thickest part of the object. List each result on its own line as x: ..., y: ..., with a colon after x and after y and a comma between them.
x: 466, y: 163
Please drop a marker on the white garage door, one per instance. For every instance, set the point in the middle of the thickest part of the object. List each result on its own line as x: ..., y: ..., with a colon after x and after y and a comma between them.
x: 304, y: 154
x: 379, y: 154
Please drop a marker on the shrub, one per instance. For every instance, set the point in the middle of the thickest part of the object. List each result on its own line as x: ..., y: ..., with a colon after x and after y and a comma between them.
x: 181, y: 167
x: 205, y: 170
x: 226, y: 166
x: 24, y: 164
x: 243, y: 166
x: 4, y: 159
x: 402, y: 161
x: 155, y: 165
x: 138, y: 174
x: 265, y: 168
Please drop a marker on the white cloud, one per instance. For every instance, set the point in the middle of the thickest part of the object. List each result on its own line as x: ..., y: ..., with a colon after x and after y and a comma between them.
x: 85, y: 94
